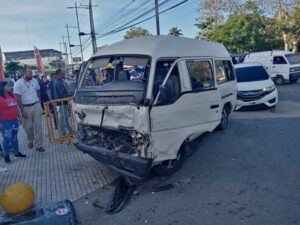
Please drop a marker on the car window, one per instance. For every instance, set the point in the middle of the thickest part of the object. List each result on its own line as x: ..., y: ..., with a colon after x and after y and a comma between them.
x: 251, y: 73
x: 279, y: 60
x: 201, y: 74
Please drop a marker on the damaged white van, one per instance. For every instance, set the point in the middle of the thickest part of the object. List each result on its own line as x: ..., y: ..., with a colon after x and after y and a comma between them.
x: 139, y: 101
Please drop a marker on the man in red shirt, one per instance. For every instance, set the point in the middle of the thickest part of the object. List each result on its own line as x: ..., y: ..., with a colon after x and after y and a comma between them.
x: 9, y: 124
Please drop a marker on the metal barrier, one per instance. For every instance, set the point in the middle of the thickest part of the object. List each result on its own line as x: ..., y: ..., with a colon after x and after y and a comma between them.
x: 60, y: 120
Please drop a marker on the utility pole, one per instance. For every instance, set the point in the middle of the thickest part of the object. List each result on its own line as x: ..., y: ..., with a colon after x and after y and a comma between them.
x: 157, y: 17
x: 76, y: 9
x: 93, y: 33
x: 70, y: 50
x: 65, y: 50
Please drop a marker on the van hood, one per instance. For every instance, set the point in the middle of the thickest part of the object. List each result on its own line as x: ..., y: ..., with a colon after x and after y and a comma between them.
x: 254, y: 85
x: 115, y: 117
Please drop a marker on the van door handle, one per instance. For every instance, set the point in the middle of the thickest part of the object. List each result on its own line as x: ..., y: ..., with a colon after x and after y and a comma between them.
x: 214, y: 106
x: 273, y: 67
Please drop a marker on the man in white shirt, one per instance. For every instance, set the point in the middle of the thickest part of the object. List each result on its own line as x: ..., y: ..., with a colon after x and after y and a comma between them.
x: 27, y: 92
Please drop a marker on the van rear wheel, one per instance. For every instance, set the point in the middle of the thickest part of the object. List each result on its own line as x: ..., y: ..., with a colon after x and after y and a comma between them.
x: 169, y: 167
x: 279, y: 80
x: 224, y: 119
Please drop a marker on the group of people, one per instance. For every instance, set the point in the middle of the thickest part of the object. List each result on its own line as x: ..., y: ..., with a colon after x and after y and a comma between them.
x: 23, y: 106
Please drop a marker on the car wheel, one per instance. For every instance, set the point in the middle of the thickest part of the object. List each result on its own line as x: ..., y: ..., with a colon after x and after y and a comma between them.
x: 224, y: 119
x: 280, y: 80
x: 169, y: 167
x: 293, y: 80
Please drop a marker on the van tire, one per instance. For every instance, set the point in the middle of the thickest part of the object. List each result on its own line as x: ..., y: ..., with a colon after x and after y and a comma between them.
x: 279, y: 80
x: 224, y: 118
x: 168, y: 167
x: 293, y: 80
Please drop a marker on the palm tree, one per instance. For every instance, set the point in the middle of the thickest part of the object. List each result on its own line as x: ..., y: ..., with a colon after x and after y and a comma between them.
x: 175, y: 31
x: 12, y: 68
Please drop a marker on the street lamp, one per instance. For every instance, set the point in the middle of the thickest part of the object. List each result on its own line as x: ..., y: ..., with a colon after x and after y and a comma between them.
x: 71, y: 45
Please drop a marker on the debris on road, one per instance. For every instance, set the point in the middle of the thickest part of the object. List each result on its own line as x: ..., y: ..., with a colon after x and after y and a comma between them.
x: 121, y: 195
x: 60, y: 213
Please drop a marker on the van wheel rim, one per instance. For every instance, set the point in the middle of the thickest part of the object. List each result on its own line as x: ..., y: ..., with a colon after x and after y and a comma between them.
x: 171, y: 163
x: 224, y: 117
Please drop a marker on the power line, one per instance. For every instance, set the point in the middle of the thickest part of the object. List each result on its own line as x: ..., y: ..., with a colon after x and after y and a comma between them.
x: 121, y: 28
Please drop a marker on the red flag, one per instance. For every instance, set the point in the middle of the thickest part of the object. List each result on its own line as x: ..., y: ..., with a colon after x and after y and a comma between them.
x: 1, y: 66
x: 38, y: 59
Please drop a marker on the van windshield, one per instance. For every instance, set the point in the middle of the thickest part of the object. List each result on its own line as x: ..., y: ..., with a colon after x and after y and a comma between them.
x: 293, y: 58
x: 117, y: 79
x: 251, y: 73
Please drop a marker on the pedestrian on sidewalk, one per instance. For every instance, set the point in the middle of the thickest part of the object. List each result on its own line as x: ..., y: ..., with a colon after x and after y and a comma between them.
x: 50, y: 87
x: 27, y: 92
x: 61, y: 90
x: 44, y: 94
x: 9, y: 123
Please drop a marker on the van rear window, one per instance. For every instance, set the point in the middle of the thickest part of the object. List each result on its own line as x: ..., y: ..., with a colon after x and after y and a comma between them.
x: 251, y: 73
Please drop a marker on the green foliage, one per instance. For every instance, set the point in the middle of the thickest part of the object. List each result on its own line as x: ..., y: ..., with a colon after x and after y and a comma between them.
x: 247, y: 30
x: 58, y: 64
x: 12, y: 69
x: 136, y: 32
x: 175, y: 31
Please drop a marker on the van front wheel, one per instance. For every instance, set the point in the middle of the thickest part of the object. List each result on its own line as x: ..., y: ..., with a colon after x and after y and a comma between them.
x: 169, y: 167
x: 279, y: 80
x: 224, y: 119
x: 293, y: 80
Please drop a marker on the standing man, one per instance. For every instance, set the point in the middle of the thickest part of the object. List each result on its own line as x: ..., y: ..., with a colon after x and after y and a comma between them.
x: 43, y: 89
x: 27, y: 92
x: 61, y: 90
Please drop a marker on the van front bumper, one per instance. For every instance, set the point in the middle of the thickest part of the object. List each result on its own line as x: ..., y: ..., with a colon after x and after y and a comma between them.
x: 294, y: 75
x: 135, y: 167
x: 268, y: 100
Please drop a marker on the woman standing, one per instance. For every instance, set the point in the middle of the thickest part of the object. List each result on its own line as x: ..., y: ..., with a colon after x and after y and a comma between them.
x: 9, y: 124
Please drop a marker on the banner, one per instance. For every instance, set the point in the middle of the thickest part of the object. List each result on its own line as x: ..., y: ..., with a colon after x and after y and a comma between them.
x: 38, y: 59
x: 2, y: 68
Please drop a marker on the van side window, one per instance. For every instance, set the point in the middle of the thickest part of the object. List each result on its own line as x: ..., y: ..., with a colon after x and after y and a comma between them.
x: 224, y: 71
x: 279, y: 60
x: 201, y: 75
x: 161, y: 70
x: 172, y: 86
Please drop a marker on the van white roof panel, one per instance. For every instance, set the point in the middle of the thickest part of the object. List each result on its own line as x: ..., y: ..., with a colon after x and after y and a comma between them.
x: 269, y: 53
x: 165, y: 46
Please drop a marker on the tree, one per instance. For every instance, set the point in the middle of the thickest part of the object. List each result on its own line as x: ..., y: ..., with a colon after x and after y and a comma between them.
x: 175, y: 31
x: 58, y: 64
x: 12, y: 68
x: 136, y: 32
x: 212, y: 15
x: 247, y: 30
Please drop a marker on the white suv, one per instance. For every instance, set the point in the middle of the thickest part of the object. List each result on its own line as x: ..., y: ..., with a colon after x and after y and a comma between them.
x: 255, y: 86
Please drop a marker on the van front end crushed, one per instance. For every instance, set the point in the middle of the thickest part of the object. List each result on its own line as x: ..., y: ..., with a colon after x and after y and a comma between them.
x: 122, y: 151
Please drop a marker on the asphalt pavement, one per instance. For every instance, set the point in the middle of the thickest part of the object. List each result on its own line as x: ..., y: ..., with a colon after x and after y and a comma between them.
x: 247, y: 174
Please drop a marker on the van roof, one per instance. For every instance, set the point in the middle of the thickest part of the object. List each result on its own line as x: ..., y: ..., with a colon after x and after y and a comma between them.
x: 165, y: 46
x: 269, y: 53
x: 242, y: 65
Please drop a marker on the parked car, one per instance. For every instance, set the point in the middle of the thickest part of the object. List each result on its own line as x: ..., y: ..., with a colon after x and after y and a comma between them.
x: 255, y: 86
x: 135, y: 125
x: 282, y: 65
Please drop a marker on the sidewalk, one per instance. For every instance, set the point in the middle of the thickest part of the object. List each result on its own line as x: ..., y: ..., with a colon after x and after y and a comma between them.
x: 62, y: 172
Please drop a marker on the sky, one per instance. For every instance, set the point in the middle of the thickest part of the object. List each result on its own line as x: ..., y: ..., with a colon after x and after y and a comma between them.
x: 41, y: 23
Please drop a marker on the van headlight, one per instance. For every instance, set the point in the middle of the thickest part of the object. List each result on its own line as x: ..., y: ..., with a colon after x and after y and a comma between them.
x: 292, y: 69
x: 269, y: 89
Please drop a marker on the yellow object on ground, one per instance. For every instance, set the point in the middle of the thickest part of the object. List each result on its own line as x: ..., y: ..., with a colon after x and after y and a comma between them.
x: 17, y: 198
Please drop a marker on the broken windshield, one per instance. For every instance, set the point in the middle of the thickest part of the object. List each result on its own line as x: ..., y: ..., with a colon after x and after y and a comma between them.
x: 102, y: 71
x: 114, y: 80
